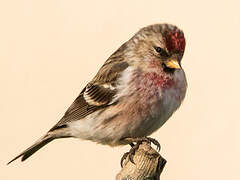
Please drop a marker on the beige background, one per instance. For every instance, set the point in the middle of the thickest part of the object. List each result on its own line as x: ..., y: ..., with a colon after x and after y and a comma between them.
x: 50, y: 49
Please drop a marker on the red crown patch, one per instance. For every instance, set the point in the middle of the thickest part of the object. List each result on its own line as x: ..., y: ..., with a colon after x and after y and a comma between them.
x: 175, y: 41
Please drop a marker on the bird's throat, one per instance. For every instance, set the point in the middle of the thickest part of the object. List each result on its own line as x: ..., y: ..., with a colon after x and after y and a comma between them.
x: 158, y: 80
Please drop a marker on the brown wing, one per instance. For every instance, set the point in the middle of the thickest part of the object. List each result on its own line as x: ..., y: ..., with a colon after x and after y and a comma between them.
x: 97, y: 94
x: 90, y: 99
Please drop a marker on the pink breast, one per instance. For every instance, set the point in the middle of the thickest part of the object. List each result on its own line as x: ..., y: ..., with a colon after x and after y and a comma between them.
x: 158, y: 80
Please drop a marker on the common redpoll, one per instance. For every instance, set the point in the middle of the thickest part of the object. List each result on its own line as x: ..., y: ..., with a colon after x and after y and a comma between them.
x: 133, y: 94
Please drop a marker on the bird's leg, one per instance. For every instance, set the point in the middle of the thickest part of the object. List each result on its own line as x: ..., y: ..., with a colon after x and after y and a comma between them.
x: 132, y: 144
x: 143, y: 139
x: 138, y: 141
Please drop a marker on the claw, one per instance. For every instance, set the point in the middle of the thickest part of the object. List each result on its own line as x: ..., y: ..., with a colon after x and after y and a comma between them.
x: 135, y: 147
x: 125, y: 155
x: 132, y: 152
x: 155, y: 142
x: 131, y: 158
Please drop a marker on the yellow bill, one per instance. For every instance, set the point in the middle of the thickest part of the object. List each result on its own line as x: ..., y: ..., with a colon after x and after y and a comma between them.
x: 173, y: 64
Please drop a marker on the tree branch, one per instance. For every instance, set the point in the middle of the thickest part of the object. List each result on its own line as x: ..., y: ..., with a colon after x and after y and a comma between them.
x: 148, y: 165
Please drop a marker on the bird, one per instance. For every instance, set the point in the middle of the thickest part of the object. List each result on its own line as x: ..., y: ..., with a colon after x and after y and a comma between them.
x: 132, y: 95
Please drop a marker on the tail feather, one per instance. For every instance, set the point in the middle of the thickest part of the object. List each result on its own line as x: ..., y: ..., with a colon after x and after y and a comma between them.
x: 35, y: 147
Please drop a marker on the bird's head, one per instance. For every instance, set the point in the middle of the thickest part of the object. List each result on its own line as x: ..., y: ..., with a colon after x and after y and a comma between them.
x: 162, y: 43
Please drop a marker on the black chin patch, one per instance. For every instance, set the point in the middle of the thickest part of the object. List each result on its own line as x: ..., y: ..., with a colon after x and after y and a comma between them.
x: 167, y: 69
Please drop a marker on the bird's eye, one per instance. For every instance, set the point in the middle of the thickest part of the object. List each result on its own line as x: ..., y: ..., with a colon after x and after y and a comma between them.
x: 158, y: 49
x: 162, y: 52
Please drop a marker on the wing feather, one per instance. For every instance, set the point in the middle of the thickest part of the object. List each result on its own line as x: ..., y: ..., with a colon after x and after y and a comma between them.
x: 99, y: 93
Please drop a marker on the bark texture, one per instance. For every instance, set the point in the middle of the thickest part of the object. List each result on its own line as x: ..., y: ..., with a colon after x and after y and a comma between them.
x: 148, y: 165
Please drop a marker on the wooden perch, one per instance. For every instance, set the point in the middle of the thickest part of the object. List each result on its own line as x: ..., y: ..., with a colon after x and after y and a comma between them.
x: 148, y: 165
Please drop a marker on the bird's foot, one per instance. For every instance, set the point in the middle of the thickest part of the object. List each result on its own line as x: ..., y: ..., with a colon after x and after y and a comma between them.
x: 138, y: 141
x: 143, y: 139
x: 130, y: 153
